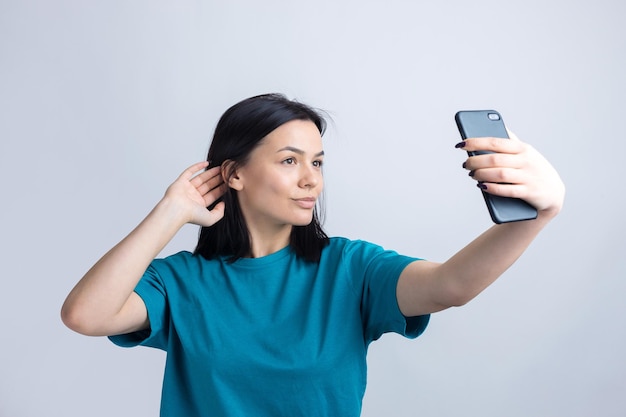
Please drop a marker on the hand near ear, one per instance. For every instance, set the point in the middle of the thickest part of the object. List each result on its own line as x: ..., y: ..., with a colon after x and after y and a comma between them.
x: 193, y: 192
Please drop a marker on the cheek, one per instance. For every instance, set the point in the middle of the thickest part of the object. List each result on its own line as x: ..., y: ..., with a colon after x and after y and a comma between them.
x: 269, y: 186
x: 279, y: 187
x: 264, y: 183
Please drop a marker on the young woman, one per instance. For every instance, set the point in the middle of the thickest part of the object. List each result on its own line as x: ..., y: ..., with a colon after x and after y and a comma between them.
x: 269, y: 316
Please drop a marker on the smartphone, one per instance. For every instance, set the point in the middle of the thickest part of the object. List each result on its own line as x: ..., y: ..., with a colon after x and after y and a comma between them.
x: 489, y: 123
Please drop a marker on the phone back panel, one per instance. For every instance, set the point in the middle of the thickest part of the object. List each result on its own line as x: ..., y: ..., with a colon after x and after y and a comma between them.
x: 489, y: 123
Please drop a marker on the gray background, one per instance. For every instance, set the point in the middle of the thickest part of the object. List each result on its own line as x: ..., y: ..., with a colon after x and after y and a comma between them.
x: 102, y: 104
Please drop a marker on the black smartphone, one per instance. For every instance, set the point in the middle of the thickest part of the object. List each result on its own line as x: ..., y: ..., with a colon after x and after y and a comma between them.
x: 489, y: 123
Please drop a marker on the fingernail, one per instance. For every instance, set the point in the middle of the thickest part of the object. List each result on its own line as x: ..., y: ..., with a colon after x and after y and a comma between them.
x: 482, y: 186
x: 471, y: 173
x: 460, y: 145
x: 464, y: 164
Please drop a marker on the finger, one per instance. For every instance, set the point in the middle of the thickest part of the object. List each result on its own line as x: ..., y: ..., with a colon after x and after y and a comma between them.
x: 205, y: 175
x: 207, y: 181
x: 210, y: 178
x: 500, y: 175
x: 192, y: 170
x: 493, y: 160
x: 207, y: 218
x: 218, y: 211
x: 505, y: 190
x: 491, y: 144
x: 213, y: 195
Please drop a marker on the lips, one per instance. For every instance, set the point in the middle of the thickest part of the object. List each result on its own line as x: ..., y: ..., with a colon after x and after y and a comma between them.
x: 307, y: 202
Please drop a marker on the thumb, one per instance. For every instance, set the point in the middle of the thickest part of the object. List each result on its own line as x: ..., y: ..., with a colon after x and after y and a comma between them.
x: 217, y: 213
x: 207, y: 218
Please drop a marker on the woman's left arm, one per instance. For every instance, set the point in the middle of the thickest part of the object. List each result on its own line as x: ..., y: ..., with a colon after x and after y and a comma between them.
x: 514, y: 169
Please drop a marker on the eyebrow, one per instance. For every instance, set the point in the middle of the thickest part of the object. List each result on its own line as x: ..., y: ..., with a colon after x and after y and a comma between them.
x: 298, y: 151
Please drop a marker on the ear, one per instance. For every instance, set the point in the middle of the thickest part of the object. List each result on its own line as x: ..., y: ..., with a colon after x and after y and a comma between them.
x: 230, y: 175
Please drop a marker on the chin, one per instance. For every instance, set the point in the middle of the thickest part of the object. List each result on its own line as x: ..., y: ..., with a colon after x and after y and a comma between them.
x: 303, y: 222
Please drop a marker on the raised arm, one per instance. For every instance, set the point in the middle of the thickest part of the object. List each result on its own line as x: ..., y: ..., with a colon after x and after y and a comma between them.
x: 104, y: 302
x: 515, y: 169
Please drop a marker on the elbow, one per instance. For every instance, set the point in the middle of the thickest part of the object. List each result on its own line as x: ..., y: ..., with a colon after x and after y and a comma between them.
x: 458, y: 301
x: 71, y: 318
x: 75, y: 319
x: 457, y: 297
x: 457, y: 290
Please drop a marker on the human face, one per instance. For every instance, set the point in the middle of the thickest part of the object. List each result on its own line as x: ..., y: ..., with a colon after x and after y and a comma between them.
x: 279, y: 184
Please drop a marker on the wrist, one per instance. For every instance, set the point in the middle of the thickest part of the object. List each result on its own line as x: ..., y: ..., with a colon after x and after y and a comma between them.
x: 548, y: 214
x: 171, y: 213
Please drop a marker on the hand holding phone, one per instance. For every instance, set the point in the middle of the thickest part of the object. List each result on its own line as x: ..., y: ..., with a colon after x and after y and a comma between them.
x: 489, y: 123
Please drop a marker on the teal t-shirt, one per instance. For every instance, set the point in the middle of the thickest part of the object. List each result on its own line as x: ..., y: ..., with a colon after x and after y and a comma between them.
x: 271, y: 336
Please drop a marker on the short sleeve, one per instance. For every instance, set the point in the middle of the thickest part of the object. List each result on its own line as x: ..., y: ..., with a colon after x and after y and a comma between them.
x: 152, y: 291
x: 378, y: 273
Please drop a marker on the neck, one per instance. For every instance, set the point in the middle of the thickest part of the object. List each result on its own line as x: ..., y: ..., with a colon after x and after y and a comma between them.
x: 266, y: 242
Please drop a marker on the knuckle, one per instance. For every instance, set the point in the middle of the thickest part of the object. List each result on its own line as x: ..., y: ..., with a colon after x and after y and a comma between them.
x: 496, y: 143
x: 492, y: 159
x: 502, y: 175
x: 518, y: 192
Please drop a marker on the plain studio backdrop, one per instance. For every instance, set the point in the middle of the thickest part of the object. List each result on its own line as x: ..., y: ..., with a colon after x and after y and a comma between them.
x: 103, y: 104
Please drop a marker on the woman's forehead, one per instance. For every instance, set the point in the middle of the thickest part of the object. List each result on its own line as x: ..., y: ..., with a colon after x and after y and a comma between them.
x: 296, y: 134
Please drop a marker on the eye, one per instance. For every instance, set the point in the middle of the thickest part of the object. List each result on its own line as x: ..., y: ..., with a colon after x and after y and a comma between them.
x: 289, y: 161
x: 318, y: 163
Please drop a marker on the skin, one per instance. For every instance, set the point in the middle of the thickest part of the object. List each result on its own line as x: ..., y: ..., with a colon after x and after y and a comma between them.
x: 279, y: 185
x: 426, y: 287
x: 277, y: 190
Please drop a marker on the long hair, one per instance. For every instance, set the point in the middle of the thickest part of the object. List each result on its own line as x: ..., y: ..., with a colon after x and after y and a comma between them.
x: 238, y: 132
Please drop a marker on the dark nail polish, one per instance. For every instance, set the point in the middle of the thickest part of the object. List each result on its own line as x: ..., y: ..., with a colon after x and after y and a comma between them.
x: 464, y: 164
x: 460, y: 145
x: 471, y: 173
x: 482, y: 186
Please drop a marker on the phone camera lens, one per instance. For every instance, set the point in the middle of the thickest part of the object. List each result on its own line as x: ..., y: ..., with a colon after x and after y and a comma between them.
x: 493, y: 116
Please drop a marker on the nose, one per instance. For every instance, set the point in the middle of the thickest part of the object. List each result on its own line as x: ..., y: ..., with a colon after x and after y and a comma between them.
x: 311, y: 177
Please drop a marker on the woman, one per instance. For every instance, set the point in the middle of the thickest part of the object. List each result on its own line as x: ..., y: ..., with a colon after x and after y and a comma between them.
x: 269, y: 316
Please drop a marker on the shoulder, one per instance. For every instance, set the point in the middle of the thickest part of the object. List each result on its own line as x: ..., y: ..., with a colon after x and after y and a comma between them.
x: 363, y: 253
x: 353, y: 254
x: 347, y: 247
x: 180, y: 258
x: 180, y: 273
x: 181, y: 263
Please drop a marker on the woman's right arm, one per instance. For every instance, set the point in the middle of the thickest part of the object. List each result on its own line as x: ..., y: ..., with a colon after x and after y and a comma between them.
x: 103, y: 302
